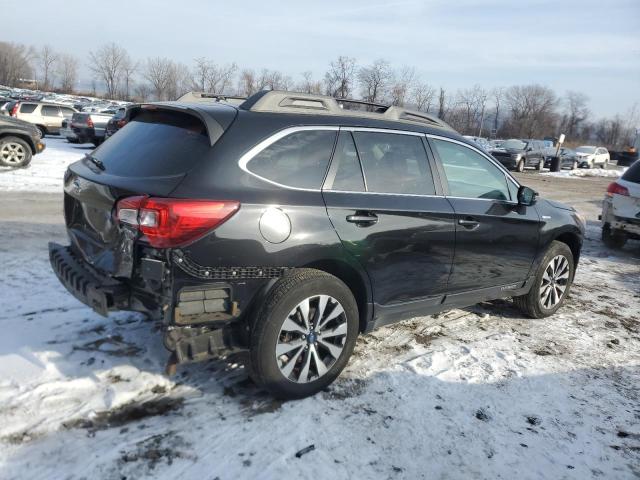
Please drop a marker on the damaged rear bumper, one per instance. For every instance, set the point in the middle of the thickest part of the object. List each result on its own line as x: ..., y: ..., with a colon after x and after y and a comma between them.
x: 102, y: 294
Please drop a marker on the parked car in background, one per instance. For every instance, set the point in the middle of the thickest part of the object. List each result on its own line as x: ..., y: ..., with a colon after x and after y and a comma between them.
x: 251, y: 229
x: 621, y: 209
x: 481, y: 142
x: 116, y: 122
x: 67, y: 132
x: 19, y: 141
x: 90, y: 127
x: 8, y: 107
x: 517, y: 154
x: 46, y: 116
x: 590, y: 156
x: 568, y: 159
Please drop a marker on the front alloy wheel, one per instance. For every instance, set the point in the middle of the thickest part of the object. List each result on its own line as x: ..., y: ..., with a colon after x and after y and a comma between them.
x: 554, y: 282
x: 311, y: 339
x: 14, y: 152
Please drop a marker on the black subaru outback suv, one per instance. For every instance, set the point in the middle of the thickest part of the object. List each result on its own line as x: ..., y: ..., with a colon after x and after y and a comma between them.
x: 282, y: 228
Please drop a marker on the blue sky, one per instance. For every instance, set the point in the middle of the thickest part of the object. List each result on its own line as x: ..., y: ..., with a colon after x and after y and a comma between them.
x: 590, y: 46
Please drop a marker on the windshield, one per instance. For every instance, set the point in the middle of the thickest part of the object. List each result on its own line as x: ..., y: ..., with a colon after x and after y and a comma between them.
x: 586, y: 149
x: 514, y: 144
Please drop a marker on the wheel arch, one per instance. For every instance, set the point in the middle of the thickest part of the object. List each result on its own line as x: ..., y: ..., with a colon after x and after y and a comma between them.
x: 572, y: 240
x: 354, y: 280
x: 21, y: 136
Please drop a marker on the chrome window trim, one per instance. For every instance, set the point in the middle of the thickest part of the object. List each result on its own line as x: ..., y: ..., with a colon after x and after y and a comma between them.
x: 382, y: 130
x: 379, y: 193
x: 247, y: 157
x: 501, y: 167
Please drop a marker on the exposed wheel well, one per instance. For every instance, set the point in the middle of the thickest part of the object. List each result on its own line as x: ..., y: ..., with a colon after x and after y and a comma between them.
x: 573, y: 242
x: 21, y: 137
x: 351, y: 279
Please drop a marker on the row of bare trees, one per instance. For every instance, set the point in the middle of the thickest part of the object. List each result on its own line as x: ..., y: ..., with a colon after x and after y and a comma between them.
x: 523, y: 111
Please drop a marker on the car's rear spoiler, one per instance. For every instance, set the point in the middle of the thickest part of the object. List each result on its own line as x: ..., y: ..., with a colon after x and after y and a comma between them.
x: 216, y: 118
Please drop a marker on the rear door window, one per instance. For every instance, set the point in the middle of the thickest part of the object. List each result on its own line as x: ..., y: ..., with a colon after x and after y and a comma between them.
x: 394, y: 163
x: 155, y: 143
x: 27, y: 107
x: 67, y: 112
x: 50, y: 111
x: 469, y: 174
x: 345, y: 173
x: 298, y: 160
x: 633, y: 173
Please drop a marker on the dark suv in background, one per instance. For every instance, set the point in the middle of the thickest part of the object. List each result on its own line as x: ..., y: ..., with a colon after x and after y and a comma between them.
x: 282, y: 228
x: 517, y: 154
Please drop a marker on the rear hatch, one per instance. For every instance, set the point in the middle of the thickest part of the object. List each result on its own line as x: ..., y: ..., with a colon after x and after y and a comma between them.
x: 627, y: 205
x: 149, y: 156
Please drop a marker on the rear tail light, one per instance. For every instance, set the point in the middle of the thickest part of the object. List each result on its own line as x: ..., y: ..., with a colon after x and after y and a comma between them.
x: 14, y: 110
x: 173, y: 222
x: 616, y: 188
x: 89, y: 122
x: 121, y: 123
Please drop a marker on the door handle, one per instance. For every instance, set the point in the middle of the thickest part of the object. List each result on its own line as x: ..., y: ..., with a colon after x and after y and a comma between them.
x: 362, y: 219
x: 469, y: 223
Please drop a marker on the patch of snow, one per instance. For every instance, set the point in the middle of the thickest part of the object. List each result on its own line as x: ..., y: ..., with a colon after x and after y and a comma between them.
x: 46, y: 171
x: 587, y: 172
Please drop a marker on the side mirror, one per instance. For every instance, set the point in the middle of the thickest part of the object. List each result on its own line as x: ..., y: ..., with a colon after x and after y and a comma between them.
x: 527, y: 196
x: 529, y: 149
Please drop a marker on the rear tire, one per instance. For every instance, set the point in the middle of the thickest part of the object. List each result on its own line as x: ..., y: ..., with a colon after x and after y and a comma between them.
x: 551, y: 283
x: 311, y: 356
x: 520, y: 166
x: 612, y: 238
x: 541, y: 165
x: 14, y: 152
x: 574, y: 165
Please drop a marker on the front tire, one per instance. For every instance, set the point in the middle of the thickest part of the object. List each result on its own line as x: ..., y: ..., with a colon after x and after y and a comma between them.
x: 551, y: 284
x: 520, y: 166
x: 304, y: 334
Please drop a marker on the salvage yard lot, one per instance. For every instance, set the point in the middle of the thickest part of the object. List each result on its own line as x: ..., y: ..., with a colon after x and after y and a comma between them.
x: 474, y: 393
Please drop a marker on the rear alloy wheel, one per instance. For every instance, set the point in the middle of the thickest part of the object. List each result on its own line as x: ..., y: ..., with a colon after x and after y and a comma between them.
x: 574, y: 165
x: 551, y: 284
x: 304, y: 334
x: 14, y: 152
x: 520, y: 166
x: 541, y: 164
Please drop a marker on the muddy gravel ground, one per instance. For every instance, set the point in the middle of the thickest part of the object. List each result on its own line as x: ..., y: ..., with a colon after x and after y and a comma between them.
x: 472, y: 393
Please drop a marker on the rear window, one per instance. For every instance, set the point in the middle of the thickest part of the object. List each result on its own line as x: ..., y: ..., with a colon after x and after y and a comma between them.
x: 633, y: 173
x: 28, y: 107
x: 155, y: 143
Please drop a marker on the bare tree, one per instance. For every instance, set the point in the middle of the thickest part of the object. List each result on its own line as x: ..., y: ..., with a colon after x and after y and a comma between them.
x: 309, y: 85
x: 470, y: 106
x: 498, y: 95
x: 576, y: 112
x: 375, y: 81
x: 422, y: 96
x: 68, y: 72
x: 532, y: 110
x: 106, y: 64
x: 273, y: 80
x: 46, y: 59
x: 201, y: 73
x: 15, y: 63
x: 159, y: 72
x: 247, y: 84
x: 442, y: 106
x: 402, y: 86
x: 143, y: 92
x: 129, y: 68
x: 219, y: 78
x: 340, y: 77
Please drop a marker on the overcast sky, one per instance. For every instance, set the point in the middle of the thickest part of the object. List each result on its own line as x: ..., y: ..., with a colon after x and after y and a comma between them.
x: 588, y: 45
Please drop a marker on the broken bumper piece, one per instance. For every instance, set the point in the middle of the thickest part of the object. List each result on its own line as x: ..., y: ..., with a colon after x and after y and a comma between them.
x: 102, y: 294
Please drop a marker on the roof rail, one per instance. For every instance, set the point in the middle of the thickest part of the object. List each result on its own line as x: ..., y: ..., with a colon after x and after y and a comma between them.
x: 208, y: 97
x: 277, y: 101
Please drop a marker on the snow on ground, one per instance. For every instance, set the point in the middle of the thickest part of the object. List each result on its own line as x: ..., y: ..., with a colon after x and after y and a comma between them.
x: 474, y: 393
x: 590, y: 172
x: 46, y: 171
